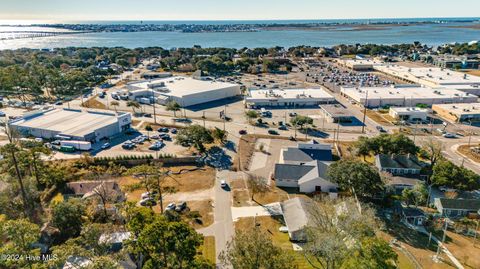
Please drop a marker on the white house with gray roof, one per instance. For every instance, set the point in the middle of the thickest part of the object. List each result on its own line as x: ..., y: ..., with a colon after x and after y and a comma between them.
x: 308, y: 177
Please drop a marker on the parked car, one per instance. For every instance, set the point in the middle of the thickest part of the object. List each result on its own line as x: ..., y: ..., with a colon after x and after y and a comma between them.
x: 272, y: 132
x: 165, y: 137
x: 148, y: 202
x: 283, y: 127
x: 106, y: 146
x: 292, y: 114
x: 170, y: 206
x: 449, y: 135
x: 163, y: 130
x: 147, y: 115
x: 381, y: 129
x: 173, y: 131
x: 180, y: 207
x: 243, y: 132
x: 223, y: 184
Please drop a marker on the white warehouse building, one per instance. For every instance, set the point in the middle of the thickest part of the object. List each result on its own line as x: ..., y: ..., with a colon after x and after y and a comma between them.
x: 185, y: 91
x: 72, y: 124
x: 408, y: 113
x: 288, y: 98
x: 433, y: 77
x: 405, y: 96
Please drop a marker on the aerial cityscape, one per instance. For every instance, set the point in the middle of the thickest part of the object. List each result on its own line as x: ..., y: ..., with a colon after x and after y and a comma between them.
x: 239, y: 134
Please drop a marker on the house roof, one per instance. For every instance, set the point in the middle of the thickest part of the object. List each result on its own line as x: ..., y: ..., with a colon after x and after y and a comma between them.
x: 296, y: 213
x: 320, y: 171
x: 466, y: 204
x: 291, y: 171
x: 398, y: 161
x: 412, y: 212
x: 87, y: 187
x: 306, y: 155
x: 404, y: 181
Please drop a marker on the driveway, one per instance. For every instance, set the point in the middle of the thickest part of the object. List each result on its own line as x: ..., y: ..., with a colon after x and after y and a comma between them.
x: 273, y: 209
x: 222, y: 228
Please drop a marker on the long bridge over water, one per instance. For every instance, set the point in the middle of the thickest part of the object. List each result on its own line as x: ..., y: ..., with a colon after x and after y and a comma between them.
x: 12, y: 35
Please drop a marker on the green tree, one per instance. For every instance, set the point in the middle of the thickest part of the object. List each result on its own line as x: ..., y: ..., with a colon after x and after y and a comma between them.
x: 432, y: 150
x: 251, y: 115
x: 148, y: 128
x: 134, y: 105
x: 417, y: 195
x: 301, y: 121
x: 373, y: 253
x: 255, y: 249
x: 446, y: 173
x: 386, y: 144
x: 165, y: 244
x: 219, y: 134
x: 196, y: 136
x: 115, y: 104
x: 35, y: 151
x: 336, y: 232
x: 357, y: 176
x: 173, y: 106
x: 20, y: 235
x: 67, y: 216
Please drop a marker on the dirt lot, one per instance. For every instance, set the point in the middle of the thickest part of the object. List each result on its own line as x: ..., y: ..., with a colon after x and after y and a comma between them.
x: 466, y: 150
x: 473, y: 72
x: 462, y: 248
x: 418, y: 245
x: 242, y: 194
x: 94, y: 103
x: 198, y: 180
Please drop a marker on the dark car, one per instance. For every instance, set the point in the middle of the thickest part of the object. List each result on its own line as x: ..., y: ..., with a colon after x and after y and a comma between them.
x: 242, y: 132
x: 173, y: 131
x: 283, y: 127
x: 163, y: 130
x: 272, y: 132
x: 381, y: 130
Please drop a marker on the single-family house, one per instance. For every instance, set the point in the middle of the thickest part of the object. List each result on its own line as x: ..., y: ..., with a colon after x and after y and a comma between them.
x: 306, y: 152
x: 95, y: 188
x: 308, y: 177
x: 456, y: 208
x: 398, y: 184
x: 398, y: 165
x: 297, y: 217
x: 411, y: 215
x: 114, y: 240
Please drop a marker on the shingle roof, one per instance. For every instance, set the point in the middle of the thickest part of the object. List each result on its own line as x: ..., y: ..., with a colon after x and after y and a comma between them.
x: 467, y: 204
x: 291, y: 171
x: 306, y: 155
x: 398, y: 161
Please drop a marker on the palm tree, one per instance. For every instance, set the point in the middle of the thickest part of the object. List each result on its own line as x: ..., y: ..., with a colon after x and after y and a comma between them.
x: 173, y: 106
x: 115, y: 104
x: 148, y: 128
x: 133, y: 105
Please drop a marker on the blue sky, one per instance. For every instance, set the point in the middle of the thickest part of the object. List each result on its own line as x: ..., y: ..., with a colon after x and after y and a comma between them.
x: 232, y: 9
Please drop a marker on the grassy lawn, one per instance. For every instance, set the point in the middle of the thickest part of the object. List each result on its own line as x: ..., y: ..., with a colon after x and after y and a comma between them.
x: 205, y: 211
x: 270, y: 225
x: 207, y: 250
x: 378, y: 118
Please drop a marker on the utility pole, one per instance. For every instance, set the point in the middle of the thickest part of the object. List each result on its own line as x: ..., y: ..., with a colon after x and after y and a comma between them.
x: 364, y: 112
x: 154, y: 111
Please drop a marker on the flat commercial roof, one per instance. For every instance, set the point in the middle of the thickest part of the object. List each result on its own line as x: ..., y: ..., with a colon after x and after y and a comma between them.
x: 290, y: 94
x: 336, y: 111
x: 409, y: 109
x: 68, y: 121
x: 460, y: 109
x: 407, y: 92
x: 180, y: 86
x: 439, y: 76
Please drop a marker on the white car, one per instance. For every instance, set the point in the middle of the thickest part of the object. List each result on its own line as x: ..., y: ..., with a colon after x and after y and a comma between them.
x: 106, y: 146
x: 170, y: 206
x: 223, y: 184
x: 449, y: 135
